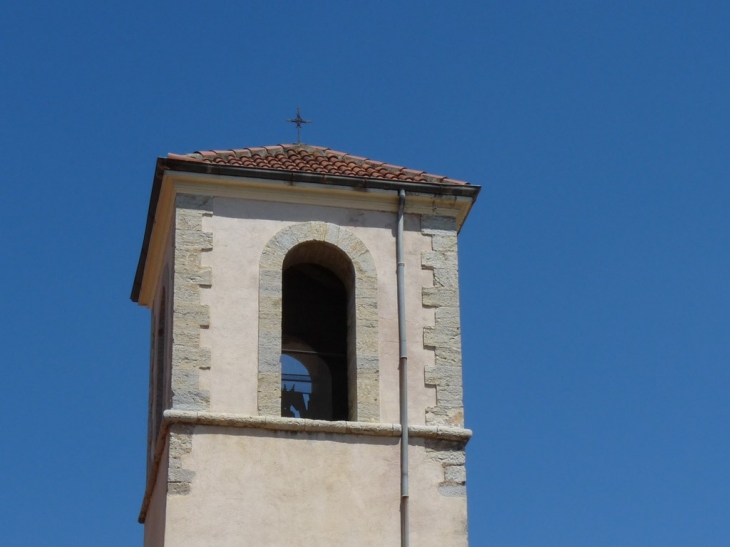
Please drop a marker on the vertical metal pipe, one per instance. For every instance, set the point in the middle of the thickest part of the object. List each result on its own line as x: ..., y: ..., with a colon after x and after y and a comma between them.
x: 403, y: 365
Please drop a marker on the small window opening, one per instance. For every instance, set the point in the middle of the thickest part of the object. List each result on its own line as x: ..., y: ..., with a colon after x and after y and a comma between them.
x: 314, y: 344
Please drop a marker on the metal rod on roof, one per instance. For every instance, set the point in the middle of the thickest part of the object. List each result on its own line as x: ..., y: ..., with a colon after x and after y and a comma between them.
x: 299, y: 121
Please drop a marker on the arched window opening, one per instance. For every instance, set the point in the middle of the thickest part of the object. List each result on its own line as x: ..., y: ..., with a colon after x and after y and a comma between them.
x: 315, y: 304
x: 299, y: 249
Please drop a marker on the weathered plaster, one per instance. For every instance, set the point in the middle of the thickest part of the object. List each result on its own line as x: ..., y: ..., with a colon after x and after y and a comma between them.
x: 180, y: 426
x: 241, y: 231
x: 217, y: 362
x: 154, y: 521
x: 308, y: 488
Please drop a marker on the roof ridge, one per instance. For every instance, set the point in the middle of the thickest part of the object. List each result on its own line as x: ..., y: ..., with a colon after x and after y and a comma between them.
x: 314, y: 159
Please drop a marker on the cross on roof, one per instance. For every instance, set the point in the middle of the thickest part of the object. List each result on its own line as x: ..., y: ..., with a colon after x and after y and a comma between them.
x: 299, y: 121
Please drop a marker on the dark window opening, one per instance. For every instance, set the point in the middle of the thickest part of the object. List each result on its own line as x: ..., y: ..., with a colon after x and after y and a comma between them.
x: 314, y: 344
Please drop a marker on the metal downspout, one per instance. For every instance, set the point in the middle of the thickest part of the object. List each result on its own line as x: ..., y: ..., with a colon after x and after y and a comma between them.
x: 403, y: 365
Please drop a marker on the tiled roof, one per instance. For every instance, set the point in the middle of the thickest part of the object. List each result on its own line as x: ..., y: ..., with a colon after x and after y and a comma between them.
x: 312, y: 159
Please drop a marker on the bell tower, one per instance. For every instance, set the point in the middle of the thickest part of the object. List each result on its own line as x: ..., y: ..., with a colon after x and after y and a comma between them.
x: 305, y: 378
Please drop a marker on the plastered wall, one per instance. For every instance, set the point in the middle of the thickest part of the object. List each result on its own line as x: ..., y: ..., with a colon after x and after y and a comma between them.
x: 240, y: 231
x: 225, y: 485
x: 154, y: 529
x: 267, y: 488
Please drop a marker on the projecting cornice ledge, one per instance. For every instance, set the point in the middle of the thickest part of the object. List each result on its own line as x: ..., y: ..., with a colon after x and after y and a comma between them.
x: 189, y: 417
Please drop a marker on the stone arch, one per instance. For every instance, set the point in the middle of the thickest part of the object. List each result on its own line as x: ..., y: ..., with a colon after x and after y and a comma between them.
x: 364, y: 384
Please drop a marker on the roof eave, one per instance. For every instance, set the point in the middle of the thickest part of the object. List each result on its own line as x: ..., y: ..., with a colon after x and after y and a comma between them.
x: 192, y: 166
x: 160, y: 169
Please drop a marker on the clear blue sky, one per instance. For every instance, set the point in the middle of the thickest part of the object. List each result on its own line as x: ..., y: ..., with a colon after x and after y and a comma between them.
x: 595, y: 266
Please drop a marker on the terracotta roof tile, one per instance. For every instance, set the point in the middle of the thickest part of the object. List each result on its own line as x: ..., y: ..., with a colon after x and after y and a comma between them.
x: 312, y: 159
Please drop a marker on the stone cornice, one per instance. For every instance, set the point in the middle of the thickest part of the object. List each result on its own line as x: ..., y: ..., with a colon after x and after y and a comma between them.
x: 191, y: 417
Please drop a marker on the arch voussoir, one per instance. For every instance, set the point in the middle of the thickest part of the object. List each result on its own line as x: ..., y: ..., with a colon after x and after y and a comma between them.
x: 365, y: 387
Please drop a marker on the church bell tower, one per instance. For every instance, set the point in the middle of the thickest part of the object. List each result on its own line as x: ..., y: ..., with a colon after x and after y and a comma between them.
x: 305, y: 377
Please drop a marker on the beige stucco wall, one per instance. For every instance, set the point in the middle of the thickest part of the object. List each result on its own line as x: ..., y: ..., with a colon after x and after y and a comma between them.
x: 154, y: 526
x: 227, y: 485
x: 241, y: 229
x: 155, y: 521
x: 268, y: 488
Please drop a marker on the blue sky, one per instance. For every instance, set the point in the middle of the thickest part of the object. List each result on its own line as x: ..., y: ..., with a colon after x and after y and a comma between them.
x: 595, y: 265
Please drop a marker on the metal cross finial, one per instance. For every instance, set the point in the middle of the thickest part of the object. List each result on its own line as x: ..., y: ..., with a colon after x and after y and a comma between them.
x: 299, y: 121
